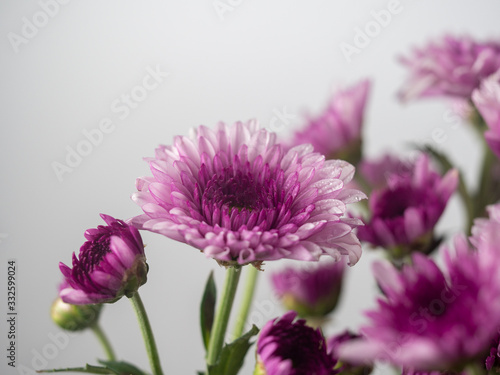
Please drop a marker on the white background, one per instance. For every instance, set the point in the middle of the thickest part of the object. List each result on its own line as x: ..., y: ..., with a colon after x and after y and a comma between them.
x: 258, y: 58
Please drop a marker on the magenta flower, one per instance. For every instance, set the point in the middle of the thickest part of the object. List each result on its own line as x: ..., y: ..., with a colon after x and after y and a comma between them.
x: 111, y: 263
x: 487, y: 101
x: 235, y: 195
x: 377, y: 172
x: 336, y: 132
x: 312, y: 291
x: 451, y: 66
x: 403, y: 214
x: 333, y: 345
x: 289, y: 347
x: 429, y: 319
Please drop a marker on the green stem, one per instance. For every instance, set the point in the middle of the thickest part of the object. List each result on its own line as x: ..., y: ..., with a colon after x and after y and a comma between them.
x: 222, y: 315
x: 247, y: 301
x: 476, y: 369
x: 147, y: 333
x: 487, y: 192
x: 103, y: 339
x: 467, y: 202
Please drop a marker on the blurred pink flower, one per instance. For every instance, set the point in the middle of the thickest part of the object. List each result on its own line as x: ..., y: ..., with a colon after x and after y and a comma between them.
x: 313, y: 291
x: 450, y: 66
x: 487, y: 101
x: 429, y: 319
x: 404, y: 213
x: 336, y: 132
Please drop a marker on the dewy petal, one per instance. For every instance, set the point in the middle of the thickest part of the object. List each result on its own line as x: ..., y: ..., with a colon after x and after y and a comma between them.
x: 245, y: 182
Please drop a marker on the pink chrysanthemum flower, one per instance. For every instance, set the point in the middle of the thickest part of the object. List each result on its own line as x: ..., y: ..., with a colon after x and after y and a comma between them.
x: 405, y: 212
x: 336, y: 132
x: 235, y: 195
x: 487, y: 101
x: 111, y: 264
x: 433, y: 320
x: 451, y: 66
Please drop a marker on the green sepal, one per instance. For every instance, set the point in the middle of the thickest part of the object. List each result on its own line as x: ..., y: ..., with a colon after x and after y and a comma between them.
x: 232, y: 356
x: 110, y: 367
x: 207, y: 309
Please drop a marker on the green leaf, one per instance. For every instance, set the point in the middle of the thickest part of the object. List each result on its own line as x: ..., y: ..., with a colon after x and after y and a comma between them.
x: 438, y: 156
x: 122, y: 368
x: 111, y: 367
x: 233, y: 354
x: 207, y: 309
x: 88, y: 369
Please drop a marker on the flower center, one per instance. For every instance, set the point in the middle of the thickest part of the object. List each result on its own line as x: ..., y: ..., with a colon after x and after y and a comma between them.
x: 90, y: 257
x: 393, y: 203
x: 232, y: 199
x: 96, y: 253
x: 238, y: 192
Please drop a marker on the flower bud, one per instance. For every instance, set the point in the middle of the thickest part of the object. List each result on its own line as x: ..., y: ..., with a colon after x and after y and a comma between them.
x: 289, y: 346
x: 312, y: 292
x: 74, y: 317
x: 111, y: 264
